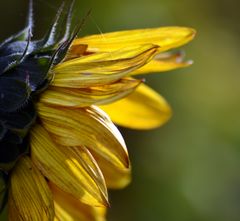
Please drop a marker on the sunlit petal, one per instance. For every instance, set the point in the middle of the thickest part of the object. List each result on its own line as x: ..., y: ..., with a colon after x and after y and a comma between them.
x: 143, y: 109
x: 163, y: 62
x: 102, y: 68
x: 29, y: 195
x: 68, y: 208
x: 72, y: 97
x: 115, y: 177
x: 72, y: 169
x: 89, y: 127
x: 165, y: 37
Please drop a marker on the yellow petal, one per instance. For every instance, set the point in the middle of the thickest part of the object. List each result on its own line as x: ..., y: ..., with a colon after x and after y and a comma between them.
x: 165, y: 37
x: 72, y: 97
x: 29, y: 195
x: 143, y: 109
x: 72, y: 169
x: 102, y: 68
x: 115, y: 177
x: 163, y: 62
x: 68, y: 208
x: 89, y: 127
x: 76, y: 51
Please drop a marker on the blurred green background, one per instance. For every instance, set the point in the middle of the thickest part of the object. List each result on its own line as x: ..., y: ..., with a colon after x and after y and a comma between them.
x: 187, y: 170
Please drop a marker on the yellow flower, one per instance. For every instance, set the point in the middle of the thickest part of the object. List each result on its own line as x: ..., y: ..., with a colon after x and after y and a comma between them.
x: 76, y: 152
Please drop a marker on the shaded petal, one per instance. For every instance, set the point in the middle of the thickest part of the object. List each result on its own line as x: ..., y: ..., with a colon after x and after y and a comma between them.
x: 68, y: 208
x: 115, y: 177
x: 102, y: 68
x: 163, y: 62
x: 76, y: 51
x: 89, y: 127
x: 72, y: 169
x: 29, y: 195
x: 104, y: 94
x: 165, y: 37
x: 143, y: 109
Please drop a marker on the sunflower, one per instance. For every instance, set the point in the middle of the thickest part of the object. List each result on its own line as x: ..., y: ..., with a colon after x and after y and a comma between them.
x: 59, y: 97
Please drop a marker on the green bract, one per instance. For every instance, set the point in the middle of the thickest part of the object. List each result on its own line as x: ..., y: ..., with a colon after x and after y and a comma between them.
x: 24, y: 73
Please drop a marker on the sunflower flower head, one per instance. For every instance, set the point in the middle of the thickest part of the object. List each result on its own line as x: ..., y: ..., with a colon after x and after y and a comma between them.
x: 59, y: 97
